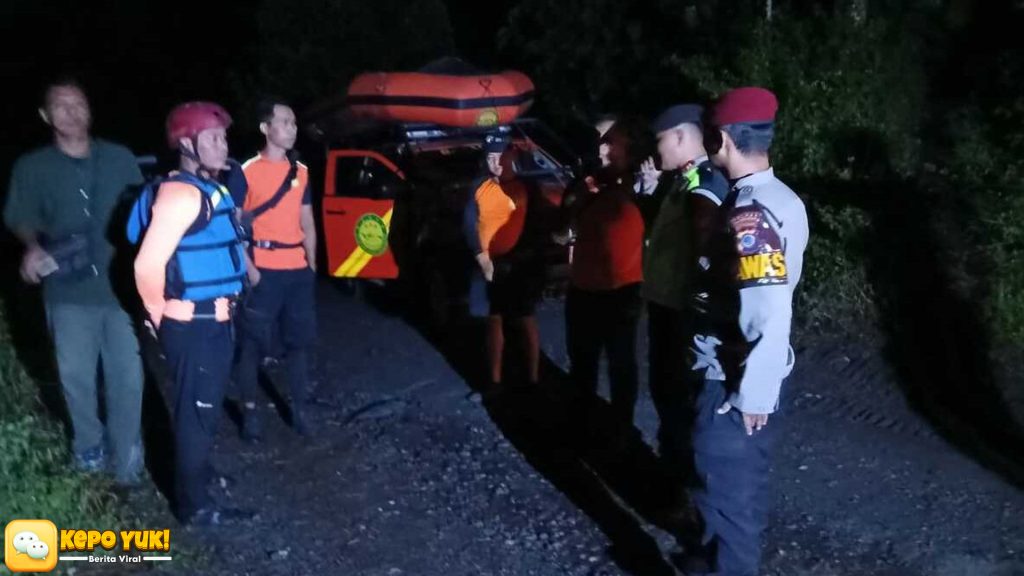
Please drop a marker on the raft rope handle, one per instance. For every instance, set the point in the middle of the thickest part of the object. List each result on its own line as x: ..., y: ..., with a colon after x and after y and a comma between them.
x: 486, y: 84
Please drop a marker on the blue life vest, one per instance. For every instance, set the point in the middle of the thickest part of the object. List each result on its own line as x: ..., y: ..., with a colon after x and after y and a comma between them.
x: 209, y: 261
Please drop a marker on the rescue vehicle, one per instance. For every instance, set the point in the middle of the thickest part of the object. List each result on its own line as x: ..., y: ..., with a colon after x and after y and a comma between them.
x: 394, y: 193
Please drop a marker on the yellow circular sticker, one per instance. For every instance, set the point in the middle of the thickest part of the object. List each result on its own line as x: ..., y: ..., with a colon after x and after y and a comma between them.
x: 372, y: 234
x: 487, y: 117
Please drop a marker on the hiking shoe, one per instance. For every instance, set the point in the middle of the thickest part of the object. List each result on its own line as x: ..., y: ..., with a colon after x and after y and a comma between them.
x: 91, y: 460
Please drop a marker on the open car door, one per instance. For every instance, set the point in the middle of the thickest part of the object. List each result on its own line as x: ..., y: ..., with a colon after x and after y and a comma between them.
x: 359, y: 201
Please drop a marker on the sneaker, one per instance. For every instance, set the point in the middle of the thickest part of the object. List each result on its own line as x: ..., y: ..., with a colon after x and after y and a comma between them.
x: 252, y: 425
x: 91, y: 460
x: 219, y: 516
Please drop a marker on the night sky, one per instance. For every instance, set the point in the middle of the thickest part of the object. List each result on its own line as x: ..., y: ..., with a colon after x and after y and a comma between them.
x: 137, y: 59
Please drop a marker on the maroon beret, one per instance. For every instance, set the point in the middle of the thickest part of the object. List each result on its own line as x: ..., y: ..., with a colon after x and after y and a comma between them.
x: 750, y: 105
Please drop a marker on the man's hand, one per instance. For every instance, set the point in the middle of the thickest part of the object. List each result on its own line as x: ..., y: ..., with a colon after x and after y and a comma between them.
x: 486, y: 265
x: 254, y: 276
x: 752, y: 422
x: 649, y: 175
x: 34, y: 256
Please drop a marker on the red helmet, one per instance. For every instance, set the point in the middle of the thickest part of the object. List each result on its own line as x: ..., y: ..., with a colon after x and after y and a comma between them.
x: 189, y: 119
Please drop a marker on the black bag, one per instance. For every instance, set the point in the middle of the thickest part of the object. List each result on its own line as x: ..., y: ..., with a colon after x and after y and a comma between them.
x: 73, y: 257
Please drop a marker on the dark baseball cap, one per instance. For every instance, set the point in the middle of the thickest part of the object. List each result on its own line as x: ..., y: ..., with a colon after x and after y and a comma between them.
x: 676, y: 115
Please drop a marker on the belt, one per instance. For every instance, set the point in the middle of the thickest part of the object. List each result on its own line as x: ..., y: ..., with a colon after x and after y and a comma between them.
x: 274, y: 244
x: 207, y: 309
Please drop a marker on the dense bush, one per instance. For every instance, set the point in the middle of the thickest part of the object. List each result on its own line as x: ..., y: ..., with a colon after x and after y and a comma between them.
x: 852, y: 95
x: 987, y: 169
x: 851, y: 99
x: 36, y: 480
x: 837, y: 295
x: 869, y: 108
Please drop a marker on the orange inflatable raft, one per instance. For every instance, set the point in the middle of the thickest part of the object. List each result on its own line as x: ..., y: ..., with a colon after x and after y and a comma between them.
x: 446, y: 99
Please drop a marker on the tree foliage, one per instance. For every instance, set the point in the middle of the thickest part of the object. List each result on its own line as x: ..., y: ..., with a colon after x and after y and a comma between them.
x: 875, y: 96
x: 607, y: 52
x: 308, y: 50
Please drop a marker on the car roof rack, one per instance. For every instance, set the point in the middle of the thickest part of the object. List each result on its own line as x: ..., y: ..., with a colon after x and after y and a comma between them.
x: 421, y: 132
x: 355, y: 131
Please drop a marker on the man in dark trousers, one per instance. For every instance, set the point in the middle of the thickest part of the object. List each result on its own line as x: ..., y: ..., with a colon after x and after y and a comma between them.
x: 689, y: 194
x: 189, y: 273
x: 282, y: 273
x: 603, y: 307
x: 741, y: 351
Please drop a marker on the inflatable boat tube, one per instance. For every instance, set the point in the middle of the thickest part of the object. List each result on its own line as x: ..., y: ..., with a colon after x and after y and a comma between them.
x: 449, y: 100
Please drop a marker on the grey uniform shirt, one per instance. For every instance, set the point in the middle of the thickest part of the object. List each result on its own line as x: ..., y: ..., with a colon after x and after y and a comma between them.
x: 769, y: 224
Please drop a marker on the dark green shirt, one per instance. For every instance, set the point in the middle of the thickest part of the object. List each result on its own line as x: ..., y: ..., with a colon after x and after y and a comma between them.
x: 57, y: 195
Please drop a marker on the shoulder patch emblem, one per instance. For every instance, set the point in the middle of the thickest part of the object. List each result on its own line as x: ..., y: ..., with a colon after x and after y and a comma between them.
x: 761, y: 259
